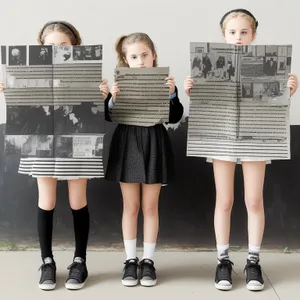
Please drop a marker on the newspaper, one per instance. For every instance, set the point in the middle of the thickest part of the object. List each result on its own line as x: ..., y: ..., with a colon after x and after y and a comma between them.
x: 143, y: 99
x: 240, y: 101
x: 54, y: 107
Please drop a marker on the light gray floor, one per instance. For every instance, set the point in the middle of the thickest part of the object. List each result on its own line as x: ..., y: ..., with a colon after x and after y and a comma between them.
x: 181, y: 275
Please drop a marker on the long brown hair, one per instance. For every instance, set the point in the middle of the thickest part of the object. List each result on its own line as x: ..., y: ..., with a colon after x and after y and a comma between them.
x: 60, y: 26
x: 132, y: 38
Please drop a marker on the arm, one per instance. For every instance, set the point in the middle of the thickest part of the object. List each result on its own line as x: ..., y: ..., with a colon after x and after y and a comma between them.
x: 176, y: 108
x: 107, y: 103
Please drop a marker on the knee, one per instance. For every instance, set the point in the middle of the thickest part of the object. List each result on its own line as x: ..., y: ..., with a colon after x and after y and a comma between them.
x: 224, y: 204
x: 46, y: 204
x: 77, y: 204
x: 150, y: 210
x: 254, y: 203
x: 131, y: 209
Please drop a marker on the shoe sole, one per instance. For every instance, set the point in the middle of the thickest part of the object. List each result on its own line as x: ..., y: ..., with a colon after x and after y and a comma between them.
x: 223, y: 287
x: 255, y: 288
x: 76, y: 286
x: 148, y: 283
x: 129, y: 282
x: 47, y: 287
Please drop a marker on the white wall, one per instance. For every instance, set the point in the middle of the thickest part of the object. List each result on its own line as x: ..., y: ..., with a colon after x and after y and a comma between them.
x: 171, y: 24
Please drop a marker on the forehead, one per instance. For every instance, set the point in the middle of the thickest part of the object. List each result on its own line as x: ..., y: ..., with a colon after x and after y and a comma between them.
x: 56, y: 36
x: 238, y: 23
x: 138, y: 47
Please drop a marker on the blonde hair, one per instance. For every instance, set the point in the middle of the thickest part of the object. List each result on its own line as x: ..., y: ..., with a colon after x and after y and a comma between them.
x: 235, y: 15
x: 60, y: 26
x: 132, y: 38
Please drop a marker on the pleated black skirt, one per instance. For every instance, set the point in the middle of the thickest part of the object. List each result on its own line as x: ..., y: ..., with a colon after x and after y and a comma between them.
x: 140, y: 155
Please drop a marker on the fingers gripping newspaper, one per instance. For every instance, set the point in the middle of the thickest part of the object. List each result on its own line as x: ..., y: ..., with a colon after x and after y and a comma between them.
x: 240, y: 101
x: 54, y: 106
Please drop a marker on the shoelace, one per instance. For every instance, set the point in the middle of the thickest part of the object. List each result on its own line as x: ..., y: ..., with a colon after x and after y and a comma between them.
x: 224, y: 266
x: 48, y: 270
x: 130, y: 267
x: 254, y: 270
x: 147, y: 268
x: 76, y: 270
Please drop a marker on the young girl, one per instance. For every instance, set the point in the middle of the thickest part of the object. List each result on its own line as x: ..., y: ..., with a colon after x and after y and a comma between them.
x: 140, y: 157
x: 60, y: 33
x: 239, y: 27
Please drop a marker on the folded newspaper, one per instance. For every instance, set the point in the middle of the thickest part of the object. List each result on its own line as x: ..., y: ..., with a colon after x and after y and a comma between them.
x: 54, y: 106
x: 144, y: 98
x: 240, y: 101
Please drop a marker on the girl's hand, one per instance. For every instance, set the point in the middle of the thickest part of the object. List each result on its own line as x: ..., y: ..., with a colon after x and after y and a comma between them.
x: 114, y: 91
x: 104, y: 88
x: 1, y: 86
x: 171, y: 83
x: 188, y: 84
x: 293, y: 83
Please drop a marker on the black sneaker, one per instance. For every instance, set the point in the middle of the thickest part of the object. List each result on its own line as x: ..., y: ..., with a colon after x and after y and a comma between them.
x: 254, y: 279
x: 48, y: 276
x: 77, y: 275
x: 147, y: 273
x: 223, y: 279
x: 130, y: 277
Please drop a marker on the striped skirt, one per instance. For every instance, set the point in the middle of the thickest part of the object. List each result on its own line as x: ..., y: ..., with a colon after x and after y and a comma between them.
x: 62, y: 168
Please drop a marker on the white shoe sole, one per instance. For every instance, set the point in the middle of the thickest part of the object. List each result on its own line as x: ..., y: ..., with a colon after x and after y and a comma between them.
x: 223, y: 287
x: 47, y: 287
x: 76, y: 286
x: 148, y: 283
x: 254, y: 288
x: 130, y: 282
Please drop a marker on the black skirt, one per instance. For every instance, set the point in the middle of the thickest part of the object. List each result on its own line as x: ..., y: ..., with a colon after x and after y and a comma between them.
x: 140, y: 155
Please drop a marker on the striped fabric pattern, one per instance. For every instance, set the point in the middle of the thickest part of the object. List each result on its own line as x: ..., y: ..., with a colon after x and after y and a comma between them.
x: 62, y: 168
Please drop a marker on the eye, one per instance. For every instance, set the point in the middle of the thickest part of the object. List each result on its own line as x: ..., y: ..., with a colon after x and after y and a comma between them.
x: 133, y: 57
x: 244, y: 32
x: 145, y: 54
x: 232, y: 32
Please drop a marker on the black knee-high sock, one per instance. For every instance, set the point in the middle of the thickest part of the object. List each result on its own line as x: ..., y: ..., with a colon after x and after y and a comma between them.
x: 45, y: 228
x: 81, y: 218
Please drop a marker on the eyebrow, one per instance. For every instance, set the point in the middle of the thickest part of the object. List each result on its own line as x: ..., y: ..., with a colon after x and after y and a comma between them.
x: 230, y: 30
x: 141, y: 53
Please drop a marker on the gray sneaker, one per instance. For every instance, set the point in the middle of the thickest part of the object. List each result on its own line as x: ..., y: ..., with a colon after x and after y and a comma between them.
x: 130, y: 276
x: 77, y: 275
x: 147, y: 273
x: 48, y: 275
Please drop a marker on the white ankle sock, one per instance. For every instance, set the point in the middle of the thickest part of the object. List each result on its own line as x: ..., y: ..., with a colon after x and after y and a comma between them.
x: 130, y: 248
x: 149, y: 249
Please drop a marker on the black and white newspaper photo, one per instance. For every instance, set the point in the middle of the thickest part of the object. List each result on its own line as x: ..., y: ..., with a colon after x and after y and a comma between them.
x: 54, y: 106
x: 240, y: 101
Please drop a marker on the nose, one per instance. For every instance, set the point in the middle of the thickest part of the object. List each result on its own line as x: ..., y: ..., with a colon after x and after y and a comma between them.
x: 141, y: 61
x: 238, y: 36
